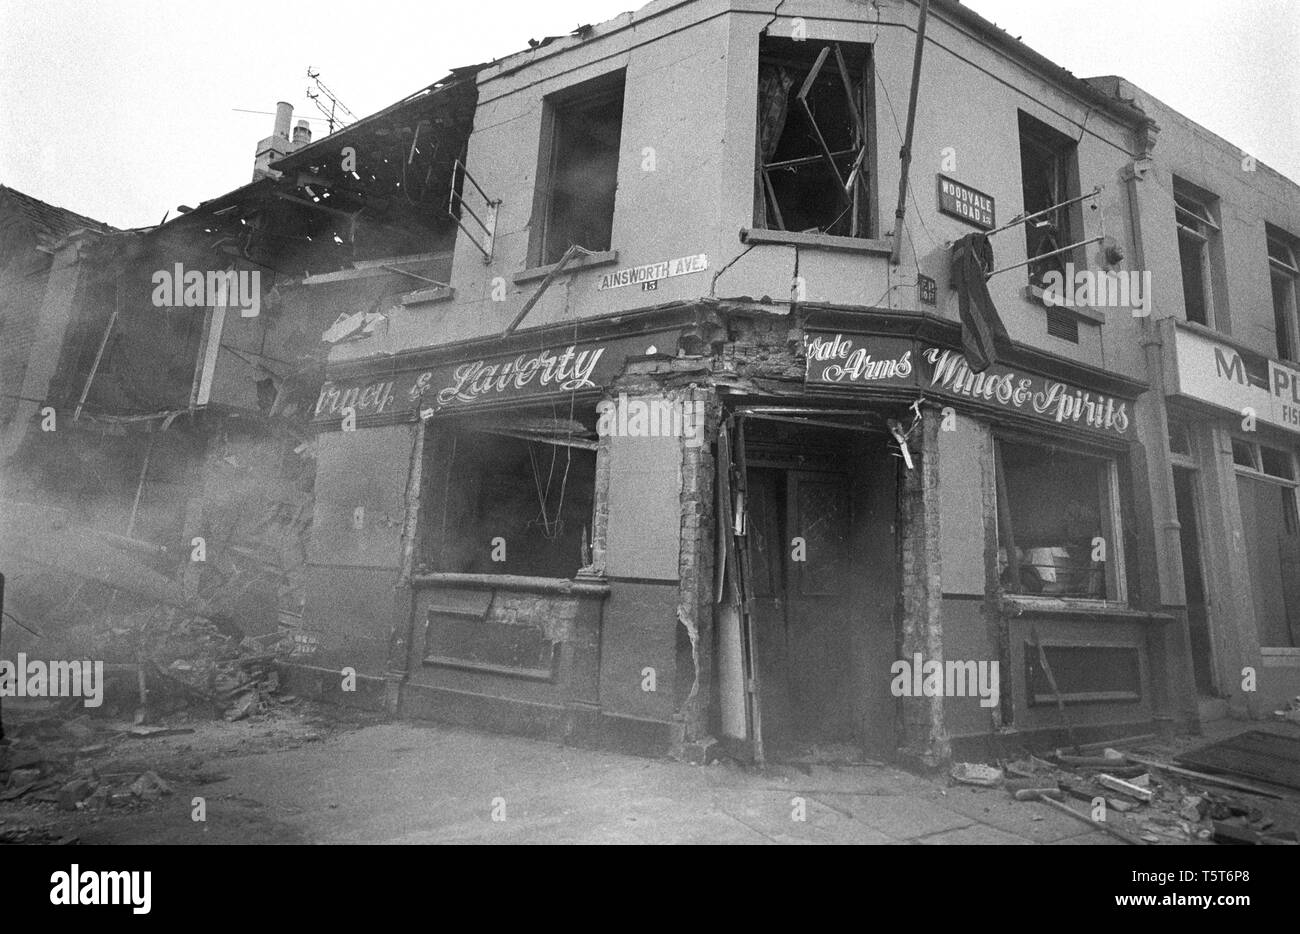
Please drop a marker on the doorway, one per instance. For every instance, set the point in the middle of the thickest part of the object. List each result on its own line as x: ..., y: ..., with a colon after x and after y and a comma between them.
x: 822, y: 515
x: 1198, y: 626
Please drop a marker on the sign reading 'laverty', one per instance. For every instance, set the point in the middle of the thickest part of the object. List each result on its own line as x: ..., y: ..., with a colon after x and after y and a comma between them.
x: 508, y: 377
x: 653, y: 272
x: 840, y: 360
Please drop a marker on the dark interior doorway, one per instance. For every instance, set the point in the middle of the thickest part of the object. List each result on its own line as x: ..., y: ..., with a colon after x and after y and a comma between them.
x: 822, y: 514
x: 1194, y: 581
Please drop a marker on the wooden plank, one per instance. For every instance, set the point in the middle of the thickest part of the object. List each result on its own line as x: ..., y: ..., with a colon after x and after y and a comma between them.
x: 1268, y: 757
x: 1103, y: 826
x: 1208, y: 779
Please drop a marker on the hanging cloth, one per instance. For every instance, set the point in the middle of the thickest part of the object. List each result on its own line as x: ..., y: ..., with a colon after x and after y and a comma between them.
x: 983, y: 335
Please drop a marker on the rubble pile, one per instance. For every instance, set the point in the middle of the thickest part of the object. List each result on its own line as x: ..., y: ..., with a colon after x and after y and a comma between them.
x: 1137, y: 799
x: 1290, y: 712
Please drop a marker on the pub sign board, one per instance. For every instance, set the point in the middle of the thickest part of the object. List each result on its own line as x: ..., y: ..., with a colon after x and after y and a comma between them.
x: 966, y: 203
x: 462, y: 383
x: 863, y: 361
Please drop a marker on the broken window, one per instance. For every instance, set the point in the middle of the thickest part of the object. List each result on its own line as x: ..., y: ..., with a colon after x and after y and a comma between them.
x: 1057, y: 522
x: 1266, y: 494
x: 1048, y: 176
x: 1196, y: 230
x: 578, y: 172
x: 815, y: 158
x: 512, y: 497
x: 1284, y: 271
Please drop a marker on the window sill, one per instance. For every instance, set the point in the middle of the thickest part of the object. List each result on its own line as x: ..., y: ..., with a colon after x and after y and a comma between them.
x: 428, y: 296
x: 877, y: 247
x: 550, y: 585
x: 1034, y: 294
x: 603, y: 258
x: 1280, y: 657
x: 1074, y: 608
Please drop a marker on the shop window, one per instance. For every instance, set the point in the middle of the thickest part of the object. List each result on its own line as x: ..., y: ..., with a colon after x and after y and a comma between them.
x: 578, y: 169
x: 1266, y: 495
x: 512, y: 498
x: 1198, y: 234
x: 1284, y: 271
x: 1049, y: 176
x: 1244, y: 454
x: 814, y: 139
x: 1057, y: 522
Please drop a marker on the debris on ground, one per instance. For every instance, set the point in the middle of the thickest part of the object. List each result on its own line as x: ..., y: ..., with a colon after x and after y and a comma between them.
x: 1144, y: 799
x: 974, y: 773
x: 1290, y: 712
x: 1256, y: 755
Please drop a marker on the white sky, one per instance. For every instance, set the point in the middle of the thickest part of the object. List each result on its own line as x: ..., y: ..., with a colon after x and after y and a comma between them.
x: 123, y: 109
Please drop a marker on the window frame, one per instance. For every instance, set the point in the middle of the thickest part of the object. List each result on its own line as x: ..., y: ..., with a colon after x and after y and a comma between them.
x: 1113, y: 530
x: 433, y: 540
x: 1291, y: 519
x: 1194, y: 221
x: 588, y: 94
x: 1287, y: 270
x: 855, y: 64
x: 1063, y: 152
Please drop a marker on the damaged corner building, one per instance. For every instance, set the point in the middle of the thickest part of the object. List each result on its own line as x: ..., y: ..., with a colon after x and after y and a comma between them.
x: 631, y: 390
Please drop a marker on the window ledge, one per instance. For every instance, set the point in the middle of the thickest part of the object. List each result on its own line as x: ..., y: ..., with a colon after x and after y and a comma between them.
x: 1063, y: 608
x: 1280, y: 657
x: 426, y: 296
x: 876, y: 247
x: 1034, y: 294
x: 551, y: 585
x: 603, y: 258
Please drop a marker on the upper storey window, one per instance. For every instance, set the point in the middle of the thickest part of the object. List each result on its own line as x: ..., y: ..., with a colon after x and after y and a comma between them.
x: 815, y: 145
x: 1049, y: 176
x: 578, y: 169
x: 1198, y: 244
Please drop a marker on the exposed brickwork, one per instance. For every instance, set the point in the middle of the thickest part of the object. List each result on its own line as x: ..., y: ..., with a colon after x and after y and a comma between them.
x: 923, y: 737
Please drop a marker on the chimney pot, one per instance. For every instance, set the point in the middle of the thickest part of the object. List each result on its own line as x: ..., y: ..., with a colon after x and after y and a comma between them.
x: 283, y: 117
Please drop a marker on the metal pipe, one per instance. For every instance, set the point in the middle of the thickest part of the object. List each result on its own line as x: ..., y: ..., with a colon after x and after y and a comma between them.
x: 1016, y: 222
x: 906, y: 152
x: 1034, y: 259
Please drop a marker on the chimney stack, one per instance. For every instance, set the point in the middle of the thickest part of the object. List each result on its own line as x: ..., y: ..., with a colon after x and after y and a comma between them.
x: 301, y: 134
x: 277, y: 145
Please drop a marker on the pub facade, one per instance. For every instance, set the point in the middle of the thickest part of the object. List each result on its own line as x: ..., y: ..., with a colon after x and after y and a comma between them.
x: 689, y: 451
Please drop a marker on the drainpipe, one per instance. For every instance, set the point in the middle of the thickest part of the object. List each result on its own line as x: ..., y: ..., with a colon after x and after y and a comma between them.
x: 906, y: 152
x: 1158, y: 459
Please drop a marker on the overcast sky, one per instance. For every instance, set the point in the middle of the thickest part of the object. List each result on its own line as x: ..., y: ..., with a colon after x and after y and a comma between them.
x: 123, y: 109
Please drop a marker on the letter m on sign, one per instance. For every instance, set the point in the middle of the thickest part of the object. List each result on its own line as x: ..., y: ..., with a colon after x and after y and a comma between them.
x: 1233, y: 369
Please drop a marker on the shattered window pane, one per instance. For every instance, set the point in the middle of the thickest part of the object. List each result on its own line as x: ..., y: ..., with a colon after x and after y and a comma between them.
x: 813, y: 149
